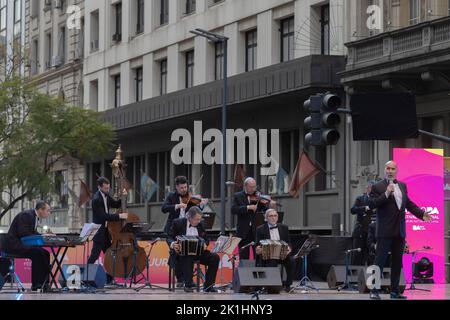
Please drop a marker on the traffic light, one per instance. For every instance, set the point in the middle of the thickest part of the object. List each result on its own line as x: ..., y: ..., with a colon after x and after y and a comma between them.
x: 323, y: 119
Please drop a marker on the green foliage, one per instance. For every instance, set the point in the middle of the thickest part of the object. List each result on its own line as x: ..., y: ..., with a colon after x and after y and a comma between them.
x: 37, y: 131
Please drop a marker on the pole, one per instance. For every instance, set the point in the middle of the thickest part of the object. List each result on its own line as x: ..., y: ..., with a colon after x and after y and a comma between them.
x: 223, y: 168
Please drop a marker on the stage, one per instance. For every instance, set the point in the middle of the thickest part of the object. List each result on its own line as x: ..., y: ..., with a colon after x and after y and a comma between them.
x: 438, y: 292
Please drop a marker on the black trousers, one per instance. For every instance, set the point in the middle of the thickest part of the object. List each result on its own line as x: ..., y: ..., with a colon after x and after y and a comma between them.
x: 288, y: 265
x: 40, y: 266
x: 360, y: 258
x: 208, y: 259
x: 396, y: 246
x: 97, y: 248
x: 245, y: 253
x: 175, y: 264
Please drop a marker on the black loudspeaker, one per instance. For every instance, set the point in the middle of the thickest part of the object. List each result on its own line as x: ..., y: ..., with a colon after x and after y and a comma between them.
x: 95, y: 277
x: 336, y: 224
x: 371, y: 123
x: 385, y: 281
x: 336, y: 275
x: 248, y: 279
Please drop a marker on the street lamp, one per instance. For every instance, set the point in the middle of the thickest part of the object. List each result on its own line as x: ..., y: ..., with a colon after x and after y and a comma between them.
x: 218, y: 38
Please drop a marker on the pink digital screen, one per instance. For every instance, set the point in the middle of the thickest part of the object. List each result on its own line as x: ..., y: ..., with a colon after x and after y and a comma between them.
x: 423, y: 172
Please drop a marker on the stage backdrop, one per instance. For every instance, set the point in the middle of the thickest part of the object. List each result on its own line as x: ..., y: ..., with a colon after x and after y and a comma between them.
x: 159, y: 270
x: 422, y: 171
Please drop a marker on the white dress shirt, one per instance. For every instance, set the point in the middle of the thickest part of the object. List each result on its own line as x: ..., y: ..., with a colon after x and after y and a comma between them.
x: 105, y: 201
x: 274, y: 233
x: 191, y: 231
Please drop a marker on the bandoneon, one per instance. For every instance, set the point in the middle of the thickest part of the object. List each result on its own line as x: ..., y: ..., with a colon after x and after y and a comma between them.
x: 191, y: 245
x: 274, y: 249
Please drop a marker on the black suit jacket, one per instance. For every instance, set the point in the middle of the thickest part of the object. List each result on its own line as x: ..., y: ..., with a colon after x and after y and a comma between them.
x: 178, y: 228
x: 246, y: 218
x: 263, y: 233
x: 390, y: 219
x: 171, y: 201
x: 363, y: 217
x: 23, y: 225
x: 100, y: 215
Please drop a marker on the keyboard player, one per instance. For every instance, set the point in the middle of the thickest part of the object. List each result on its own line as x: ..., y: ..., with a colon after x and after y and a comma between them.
x: 25, y: 224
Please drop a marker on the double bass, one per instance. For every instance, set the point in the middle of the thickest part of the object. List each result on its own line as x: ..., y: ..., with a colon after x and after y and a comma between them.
x: 125, y: 257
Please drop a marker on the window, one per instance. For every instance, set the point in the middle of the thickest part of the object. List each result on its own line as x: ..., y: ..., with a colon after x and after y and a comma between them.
x: 138, y: 84
x: 93, y: 95
x: 62, y: 45
x: 35, y: 57
x: 325, y: 29
x: 367, y: 153
x: 17, y: 44
x: 190, y: 6
x: 35, y: 9
x: 117, y: 36
x: 287, y: 39
x: 414, y: 11
x: 49, y: 51
x: 3, y: 15
x: 94, y: 31
x: 164, y: 12
x: 61, y: 190
x: 140, y: 16
x: 116, y: 91
x: 190, y: 69
x: 163, y: 77
x: 326, y: 157
x: 251, y: 50
x: 219, y: 60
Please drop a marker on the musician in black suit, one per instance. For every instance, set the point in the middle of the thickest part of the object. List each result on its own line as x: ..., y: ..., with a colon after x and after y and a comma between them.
x: 390, y: 198
x: 246, y: 213
x: 101, y: 203
x: 176, y: 209
x: 272, y: 230
x: 25, y: 224
x: 191, y: 226
x: 360, y: 231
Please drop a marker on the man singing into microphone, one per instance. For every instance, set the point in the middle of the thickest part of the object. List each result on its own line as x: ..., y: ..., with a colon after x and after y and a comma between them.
x: 390, y: 198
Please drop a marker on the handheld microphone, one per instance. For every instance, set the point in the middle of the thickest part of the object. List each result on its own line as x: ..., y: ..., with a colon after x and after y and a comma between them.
x: 247, y: 245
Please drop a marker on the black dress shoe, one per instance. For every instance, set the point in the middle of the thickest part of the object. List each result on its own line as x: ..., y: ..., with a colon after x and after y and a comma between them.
x: 374, y: 295
x: 210, y: 290
x: 287, y: 289
x: 188, y: 289
x: 398, y: 296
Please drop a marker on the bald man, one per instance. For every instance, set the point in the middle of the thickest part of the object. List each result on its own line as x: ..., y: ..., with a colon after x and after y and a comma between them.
x: 246, y: 213
x: 390, y: 198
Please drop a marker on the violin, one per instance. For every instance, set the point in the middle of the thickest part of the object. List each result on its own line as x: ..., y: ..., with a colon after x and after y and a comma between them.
x: 193, y: 200
x: 263, y: 199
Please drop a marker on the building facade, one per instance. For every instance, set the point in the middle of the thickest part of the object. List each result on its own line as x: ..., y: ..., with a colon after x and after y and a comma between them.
x: 151, y: 76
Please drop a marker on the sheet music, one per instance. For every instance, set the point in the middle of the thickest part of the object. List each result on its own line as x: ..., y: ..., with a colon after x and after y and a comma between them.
x: 89, y: 230
x: 226, y: 244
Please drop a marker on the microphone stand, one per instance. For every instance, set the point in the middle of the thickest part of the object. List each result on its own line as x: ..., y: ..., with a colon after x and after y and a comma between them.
x: 346, y: 286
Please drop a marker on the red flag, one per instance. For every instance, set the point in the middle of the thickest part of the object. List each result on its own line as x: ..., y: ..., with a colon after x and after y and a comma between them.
x: 239, y: 176
x: 304, y: 171
x: 85, y: 193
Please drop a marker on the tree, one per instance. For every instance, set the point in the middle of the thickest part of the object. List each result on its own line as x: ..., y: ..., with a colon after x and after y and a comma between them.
x: 37, y: 131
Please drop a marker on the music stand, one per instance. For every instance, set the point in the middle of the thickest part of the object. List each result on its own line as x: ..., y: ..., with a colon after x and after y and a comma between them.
x: 134, y: 228
x: 305, y: 283
x: 227, y: 245
x: 87, y: 235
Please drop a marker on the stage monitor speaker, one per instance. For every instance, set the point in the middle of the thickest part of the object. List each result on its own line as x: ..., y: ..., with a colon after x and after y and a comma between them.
x: 385, y: 281
x: 245, y: 263
x: 384, y: 116
x: 95, y: 277
x: 255, y: 278
x: 336, y: 275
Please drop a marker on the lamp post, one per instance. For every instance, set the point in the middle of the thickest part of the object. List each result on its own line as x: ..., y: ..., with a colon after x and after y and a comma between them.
x: 218, y: 38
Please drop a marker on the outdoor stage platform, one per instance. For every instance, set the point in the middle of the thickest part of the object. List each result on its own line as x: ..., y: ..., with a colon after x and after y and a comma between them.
x: 438, y: 292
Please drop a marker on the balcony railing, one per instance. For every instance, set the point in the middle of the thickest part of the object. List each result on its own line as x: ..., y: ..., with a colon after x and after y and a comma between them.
x: 421, y: 39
